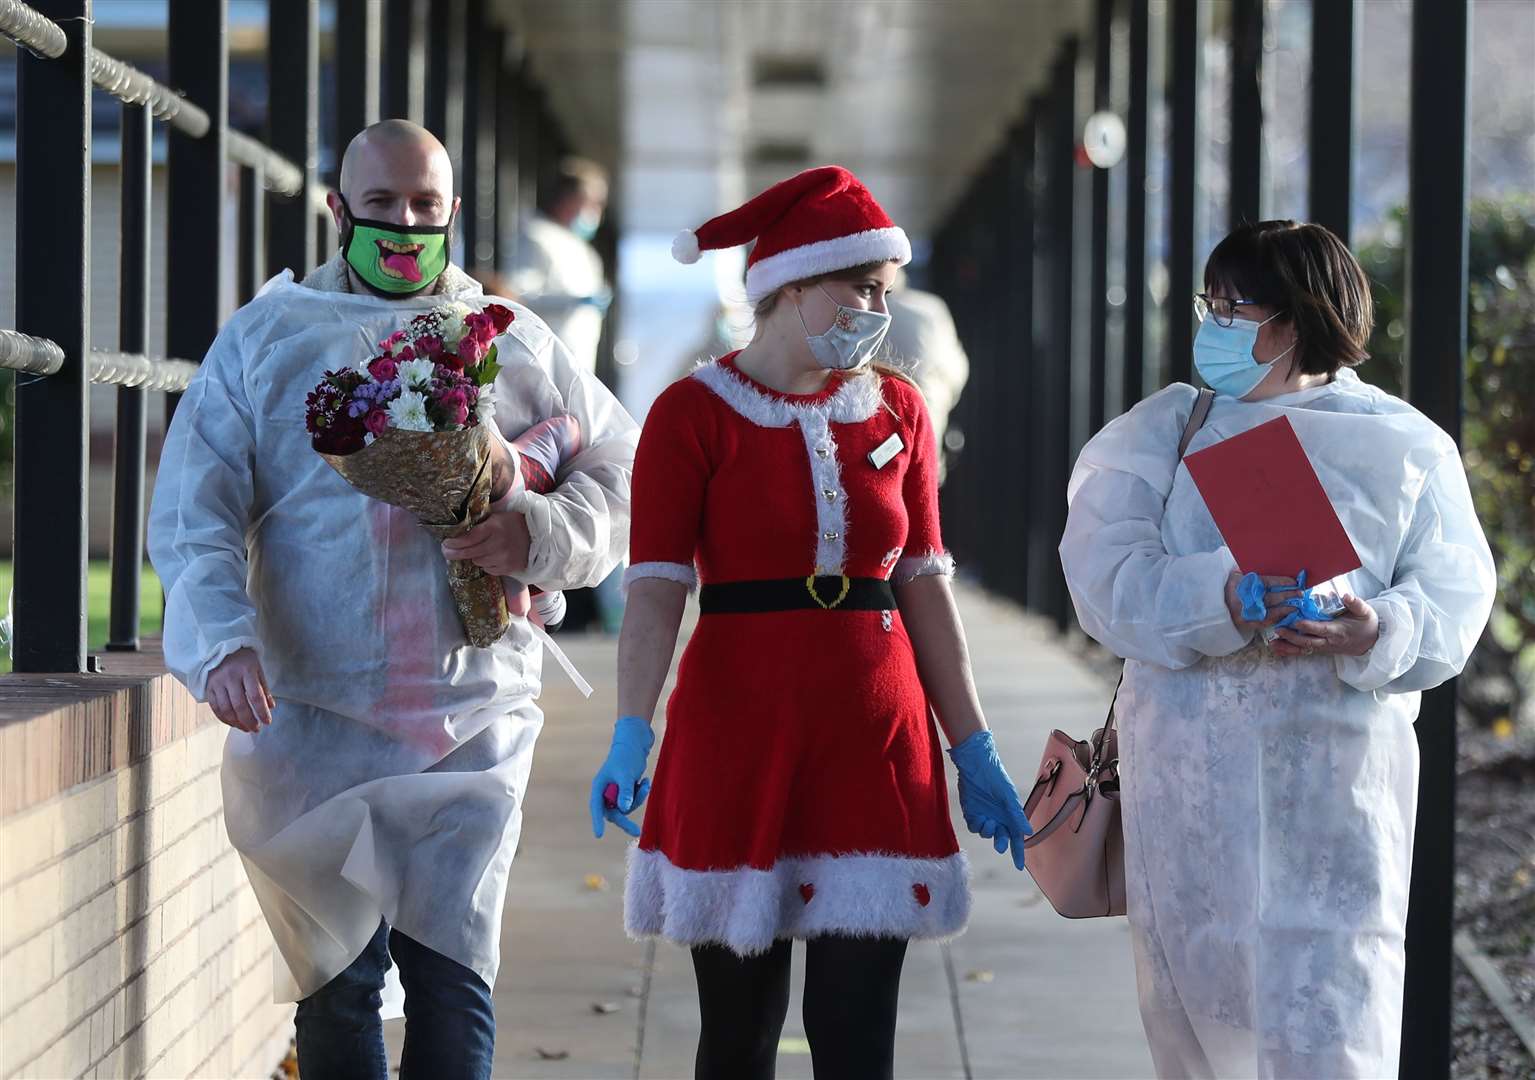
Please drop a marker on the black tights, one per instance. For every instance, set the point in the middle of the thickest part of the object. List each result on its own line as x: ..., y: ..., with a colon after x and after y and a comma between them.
x: 851, y: 988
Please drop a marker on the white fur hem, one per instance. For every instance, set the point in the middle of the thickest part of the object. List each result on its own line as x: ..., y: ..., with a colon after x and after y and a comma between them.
x: 933, y: 563
x: 824, y: 257
x: 745, y: 909
x: 668, y: 571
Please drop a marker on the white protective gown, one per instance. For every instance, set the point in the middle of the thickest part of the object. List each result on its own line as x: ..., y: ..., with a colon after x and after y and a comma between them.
x: 555, y: 272
x: 391, y: 779
x: 1269, y: 802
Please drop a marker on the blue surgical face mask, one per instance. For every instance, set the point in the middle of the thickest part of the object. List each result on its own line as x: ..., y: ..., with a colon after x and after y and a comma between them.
x: 852, y: 339
x: 586, y: 223
x: 1223, y: 356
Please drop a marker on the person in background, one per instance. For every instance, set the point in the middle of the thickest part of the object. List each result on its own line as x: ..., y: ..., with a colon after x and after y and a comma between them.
x: 924, y: 342
x: 1269, y: 791
x: 555, y: 270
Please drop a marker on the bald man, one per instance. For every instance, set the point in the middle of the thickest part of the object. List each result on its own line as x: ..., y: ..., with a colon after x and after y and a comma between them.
x: 375, y: 768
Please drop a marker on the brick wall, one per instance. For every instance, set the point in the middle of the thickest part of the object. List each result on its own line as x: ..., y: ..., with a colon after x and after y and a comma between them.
x: 130, y: 943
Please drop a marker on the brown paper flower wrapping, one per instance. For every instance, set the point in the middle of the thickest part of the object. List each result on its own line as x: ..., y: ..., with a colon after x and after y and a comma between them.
x: 443, y: 477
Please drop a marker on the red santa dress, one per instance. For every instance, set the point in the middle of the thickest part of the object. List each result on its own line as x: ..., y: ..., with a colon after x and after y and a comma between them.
x: 799, y: 789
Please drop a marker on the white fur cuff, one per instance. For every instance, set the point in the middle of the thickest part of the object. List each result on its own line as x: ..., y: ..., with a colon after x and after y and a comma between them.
x: 934, y: 562
x: 667, y: 571
x: 745, y: 909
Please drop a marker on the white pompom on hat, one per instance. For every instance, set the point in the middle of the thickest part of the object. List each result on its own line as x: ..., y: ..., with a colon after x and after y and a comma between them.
x: 816, y: 222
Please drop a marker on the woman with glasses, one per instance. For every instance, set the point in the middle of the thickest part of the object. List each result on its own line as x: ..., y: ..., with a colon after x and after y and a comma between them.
x: 1270, y: 778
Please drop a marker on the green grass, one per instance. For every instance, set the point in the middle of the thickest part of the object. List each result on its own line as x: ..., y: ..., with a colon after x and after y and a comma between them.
x: 99, y: 603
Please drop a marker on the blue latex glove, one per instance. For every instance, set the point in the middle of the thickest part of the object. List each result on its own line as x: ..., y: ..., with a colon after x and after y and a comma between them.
x: 987, y: 796
x: 1251, y: 591
x: 625, y: 769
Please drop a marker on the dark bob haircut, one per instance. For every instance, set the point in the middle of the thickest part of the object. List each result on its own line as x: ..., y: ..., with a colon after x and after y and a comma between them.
x: 1310, y: 278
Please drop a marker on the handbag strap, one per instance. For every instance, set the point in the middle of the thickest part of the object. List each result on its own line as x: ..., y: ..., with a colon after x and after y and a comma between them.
x: 1196, y: 419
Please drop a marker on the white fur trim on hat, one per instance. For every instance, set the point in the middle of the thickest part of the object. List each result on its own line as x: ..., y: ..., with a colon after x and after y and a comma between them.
x: 685, y: 247
x: 825, y: 257
x: 746, y: 909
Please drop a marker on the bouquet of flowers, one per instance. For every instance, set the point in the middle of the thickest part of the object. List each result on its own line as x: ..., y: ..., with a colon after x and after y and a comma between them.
x: 409, y: 426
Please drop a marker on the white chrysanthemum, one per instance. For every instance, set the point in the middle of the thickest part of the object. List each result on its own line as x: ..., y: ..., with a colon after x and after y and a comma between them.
x: 485, y: 405
x: 408, y: 412
x: 416, y: 373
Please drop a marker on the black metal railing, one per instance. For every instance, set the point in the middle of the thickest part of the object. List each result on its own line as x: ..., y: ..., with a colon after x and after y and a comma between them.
x: 1025, y: 412
x: 447, y: 66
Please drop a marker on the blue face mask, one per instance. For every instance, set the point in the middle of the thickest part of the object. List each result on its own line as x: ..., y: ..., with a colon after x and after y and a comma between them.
x: 1223, y: 356
x: 586, y: 224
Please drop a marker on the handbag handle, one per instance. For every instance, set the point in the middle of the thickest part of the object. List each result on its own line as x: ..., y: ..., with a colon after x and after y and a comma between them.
x: 1196, y: 419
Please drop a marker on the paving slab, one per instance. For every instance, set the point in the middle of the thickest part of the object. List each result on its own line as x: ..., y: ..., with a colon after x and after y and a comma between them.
x: 1022, y: 994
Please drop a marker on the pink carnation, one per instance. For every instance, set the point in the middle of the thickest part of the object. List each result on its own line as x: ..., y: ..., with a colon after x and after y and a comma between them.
x: 377, y: 421
x: 389, y: 343
x: 456, y: 404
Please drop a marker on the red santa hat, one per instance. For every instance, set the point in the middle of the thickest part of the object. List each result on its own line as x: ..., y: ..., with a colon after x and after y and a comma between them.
x: 817, y: 222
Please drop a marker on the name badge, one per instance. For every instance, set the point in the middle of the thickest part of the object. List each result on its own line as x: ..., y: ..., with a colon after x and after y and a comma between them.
x: 882, y: 454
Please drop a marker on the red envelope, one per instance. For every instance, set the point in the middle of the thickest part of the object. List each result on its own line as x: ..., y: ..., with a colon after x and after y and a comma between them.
x: 1269, y: 505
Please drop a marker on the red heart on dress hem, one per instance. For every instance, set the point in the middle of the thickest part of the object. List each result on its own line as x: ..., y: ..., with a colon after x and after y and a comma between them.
x: 807, y: 892
x: 920, y: 891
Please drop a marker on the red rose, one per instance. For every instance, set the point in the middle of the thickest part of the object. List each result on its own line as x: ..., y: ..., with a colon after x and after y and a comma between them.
x: 430, y: 344
x: 500, y: 316
x: 451, y: 361
x: 377, y: 422
x: 472, y: 349
x: 405, y: 354
x: 456, y: 404
x: 383, y: 369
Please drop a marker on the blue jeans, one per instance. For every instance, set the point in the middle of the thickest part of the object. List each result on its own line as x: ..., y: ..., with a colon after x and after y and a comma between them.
x: 450, y: 1028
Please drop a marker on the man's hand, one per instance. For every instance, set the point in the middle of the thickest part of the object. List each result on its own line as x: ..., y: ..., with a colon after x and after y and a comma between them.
x: 498, y: 545
x: 1353, y: 632
x: 237, y: 692
x: 1274, y: 601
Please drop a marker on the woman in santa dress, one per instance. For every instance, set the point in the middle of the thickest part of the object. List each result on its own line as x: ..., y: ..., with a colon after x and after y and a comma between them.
x: 800, y: 790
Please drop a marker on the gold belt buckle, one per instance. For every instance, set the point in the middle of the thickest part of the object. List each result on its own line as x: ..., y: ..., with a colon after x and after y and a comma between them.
x: 847, y: 583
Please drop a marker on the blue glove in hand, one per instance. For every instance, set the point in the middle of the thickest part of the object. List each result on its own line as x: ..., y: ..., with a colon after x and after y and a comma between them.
x: 625, y: 770
x: 987, y: 796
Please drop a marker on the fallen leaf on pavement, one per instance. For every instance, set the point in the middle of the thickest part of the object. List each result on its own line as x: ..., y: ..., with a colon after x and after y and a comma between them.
x: 551, y: 1055
x: 980, y: 975
x: 602, y: 1008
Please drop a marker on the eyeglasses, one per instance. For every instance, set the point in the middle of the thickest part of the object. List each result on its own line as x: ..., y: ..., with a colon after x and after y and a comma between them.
x: 1222, y: 309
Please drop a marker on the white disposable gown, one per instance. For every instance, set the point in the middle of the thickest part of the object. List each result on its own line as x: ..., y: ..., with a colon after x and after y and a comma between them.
x: 391, y: 779
x: 1269, y: 802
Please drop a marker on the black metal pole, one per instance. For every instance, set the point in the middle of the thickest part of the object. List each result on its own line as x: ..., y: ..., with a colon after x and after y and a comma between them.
x: 53, y: 213
x: 293, y: 125
x: 1061, y: 165
x: 132, y: 337
x: 359, y: 46
x: 1136, y: 123
x: 1246, y: 111
x: 252, y: 239
x: 530, y: 150
x: 445, y: 80
x: 1019, y: 362
x: 1098, y: 299
x: 1435, y: 306
x: 508, y: 163
x: 1041, y: 406
x: 478, y: 210
x: 1334, y: 27
x: 194, y: 256
x: 1184, y: 187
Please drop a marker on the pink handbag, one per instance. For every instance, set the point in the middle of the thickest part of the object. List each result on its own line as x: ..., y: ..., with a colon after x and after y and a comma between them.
x: 1077, y: 852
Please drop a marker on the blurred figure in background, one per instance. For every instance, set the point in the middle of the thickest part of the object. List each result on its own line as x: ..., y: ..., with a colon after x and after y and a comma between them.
x: 556, y: 271
x: 923, y: 342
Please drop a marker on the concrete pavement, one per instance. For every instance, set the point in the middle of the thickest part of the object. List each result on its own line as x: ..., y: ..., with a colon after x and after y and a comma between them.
x: 1022, y: 994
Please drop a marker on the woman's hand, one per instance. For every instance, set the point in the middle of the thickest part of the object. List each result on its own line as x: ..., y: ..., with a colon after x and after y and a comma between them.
x: 1352, y: 633
x: 987, y: 797
x: 1277, y: 609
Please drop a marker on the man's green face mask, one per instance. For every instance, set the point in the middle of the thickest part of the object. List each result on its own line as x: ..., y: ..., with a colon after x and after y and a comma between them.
x: 395, y: 260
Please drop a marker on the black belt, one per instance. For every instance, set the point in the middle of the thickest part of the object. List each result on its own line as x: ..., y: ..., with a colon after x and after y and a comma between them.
x: 796, y: 594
